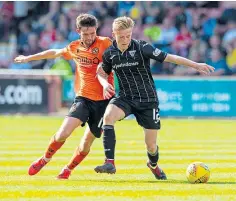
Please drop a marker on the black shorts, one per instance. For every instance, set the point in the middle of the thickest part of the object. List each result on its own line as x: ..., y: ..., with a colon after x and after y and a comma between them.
x: 89, y: 111
x: 146, y: 113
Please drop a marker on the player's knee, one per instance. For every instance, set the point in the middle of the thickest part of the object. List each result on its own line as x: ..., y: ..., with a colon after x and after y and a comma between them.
x: 109, y: 119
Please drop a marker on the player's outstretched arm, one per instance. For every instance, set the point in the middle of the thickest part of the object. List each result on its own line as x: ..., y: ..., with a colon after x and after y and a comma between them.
x: 200, y: 67
x: 108, y: 89
x: 48, y: 54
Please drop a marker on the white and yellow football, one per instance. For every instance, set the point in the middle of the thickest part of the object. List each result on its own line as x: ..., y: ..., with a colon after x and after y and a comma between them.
x: 198, y: 172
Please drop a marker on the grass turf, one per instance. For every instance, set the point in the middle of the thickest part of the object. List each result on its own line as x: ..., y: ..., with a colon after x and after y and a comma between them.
x: 181, y: 141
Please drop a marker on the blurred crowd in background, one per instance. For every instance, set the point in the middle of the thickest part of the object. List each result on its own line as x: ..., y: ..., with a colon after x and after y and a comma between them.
x: 201, y: 31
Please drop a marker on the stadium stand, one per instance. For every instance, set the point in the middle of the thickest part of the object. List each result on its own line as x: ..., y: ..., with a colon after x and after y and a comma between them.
x: 202, y: 31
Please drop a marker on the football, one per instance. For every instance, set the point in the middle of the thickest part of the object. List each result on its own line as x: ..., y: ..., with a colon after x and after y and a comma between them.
x: 198, y: 172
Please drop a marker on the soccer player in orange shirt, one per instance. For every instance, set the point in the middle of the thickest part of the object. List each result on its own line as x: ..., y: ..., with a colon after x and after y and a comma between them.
x: 89, y: 104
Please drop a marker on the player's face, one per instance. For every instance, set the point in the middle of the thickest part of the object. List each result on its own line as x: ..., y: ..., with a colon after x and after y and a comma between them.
x: 123, y: 38
x: 87, y: 35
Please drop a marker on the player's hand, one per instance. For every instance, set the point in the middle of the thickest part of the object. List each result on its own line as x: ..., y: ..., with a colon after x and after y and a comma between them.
x: 108, y: 91
x: 204, y: 68
x: 21, y: 59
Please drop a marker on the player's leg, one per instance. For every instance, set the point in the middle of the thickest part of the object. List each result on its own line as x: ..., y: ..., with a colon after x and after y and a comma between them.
x: 83, y: 149
x: 153, y: 153
x: 77, y: 115
x: 148, y: 117
x: 67, y: 127
x: 151, y: 146
x: 116, y: 110
x: 79, y: 155
x: 93, y: 130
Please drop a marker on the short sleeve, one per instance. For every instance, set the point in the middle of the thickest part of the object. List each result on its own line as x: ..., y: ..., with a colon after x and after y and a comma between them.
x: 106, y: 64
x: 152, y: 53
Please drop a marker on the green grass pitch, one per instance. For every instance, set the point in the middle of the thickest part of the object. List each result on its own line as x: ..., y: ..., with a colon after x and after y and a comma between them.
x: 181, y: 141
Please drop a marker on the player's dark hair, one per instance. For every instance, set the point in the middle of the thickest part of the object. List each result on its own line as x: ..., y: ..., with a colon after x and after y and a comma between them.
x: 86, y: 20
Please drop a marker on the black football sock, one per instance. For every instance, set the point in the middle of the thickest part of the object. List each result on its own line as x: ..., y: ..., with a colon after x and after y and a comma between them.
x: 153, y: 157
x: 109, y: 141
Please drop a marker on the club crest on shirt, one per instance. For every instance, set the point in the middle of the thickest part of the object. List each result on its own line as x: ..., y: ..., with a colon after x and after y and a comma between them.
x: 156, y: 52
x: 132, y: 52
x: 95, y: 50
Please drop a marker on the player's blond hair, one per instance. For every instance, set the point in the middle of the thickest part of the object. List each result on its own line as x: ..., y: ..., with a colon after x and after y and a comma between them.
x: 122, y: 23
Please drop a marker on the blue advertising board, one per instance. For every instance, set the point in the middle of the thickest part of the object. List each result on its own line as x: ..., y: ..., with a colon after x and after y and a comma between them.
x: 197, y: 97
x: 185, y: 96
x: 68, y: 94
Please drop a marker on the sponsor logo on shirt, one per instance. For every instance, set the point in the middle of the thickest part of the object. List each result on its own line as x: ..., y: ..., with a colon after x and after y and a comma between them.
x: 86, y: 61
x: 156, y: 52
x: 127, y: 64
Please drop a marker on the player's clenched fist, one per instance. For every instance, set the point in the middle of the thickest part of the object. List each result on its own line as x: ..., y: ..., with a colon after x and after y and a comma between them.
x: 21, y: 59
x: 108, y: 91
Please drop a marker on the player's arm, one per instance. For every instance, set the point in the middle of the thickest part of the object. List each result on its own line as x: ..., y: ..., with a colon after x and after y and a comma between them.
x: 103, y: 71
x: 102, y: 75
x: 200, y: 67
x: 48, y: 54
x: 154, y: 53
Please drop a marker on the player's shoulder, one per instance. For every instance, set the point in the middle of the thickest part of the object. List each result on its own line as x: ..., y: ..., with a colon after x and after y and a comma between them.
x: 142, y: 43
x: 103, y: 42
x: 75, y: 43
x: 109, y: 49
x: 103, y: 39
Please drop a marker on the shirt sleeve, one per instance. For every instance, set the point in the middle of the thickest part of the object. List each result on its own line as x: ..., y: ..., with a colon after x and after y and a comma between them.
x: 106, y: 63
x: 151, y: 52
x: 66, y: 54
